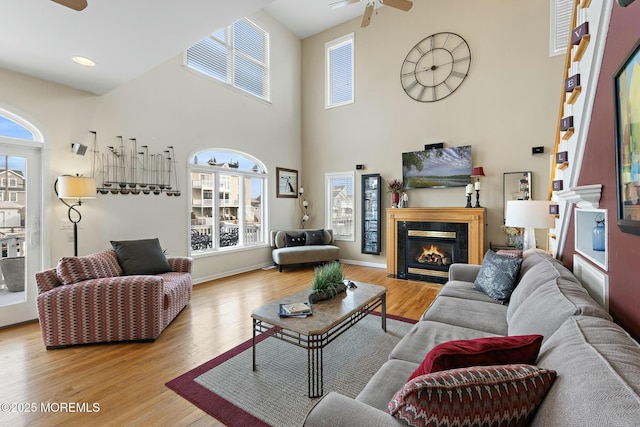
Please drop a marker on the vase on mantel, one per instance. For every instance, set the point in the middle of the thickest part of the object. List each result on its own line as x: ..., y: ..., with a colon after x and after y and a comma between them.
x: 395, y: 199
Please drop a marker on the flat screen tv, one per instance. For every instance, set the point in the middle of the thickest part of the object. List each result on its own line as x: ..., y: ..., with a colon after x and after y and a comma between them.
x: 437, y: 168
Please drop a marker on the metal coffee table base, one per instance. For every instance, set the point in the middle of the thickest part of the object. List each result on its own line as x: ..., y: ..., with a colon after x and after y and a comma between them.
x: 316, y: 343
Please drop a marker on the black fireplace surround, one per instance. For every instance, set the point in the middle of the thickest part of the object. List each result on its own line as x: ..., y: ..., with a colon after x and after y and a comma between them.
x: 427, y: 249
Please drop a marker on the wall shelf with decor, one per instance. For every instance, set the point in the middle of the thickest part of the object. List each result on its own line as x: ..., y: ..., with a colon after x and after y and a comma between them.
x: 371, y: 212
x: 592, y: 244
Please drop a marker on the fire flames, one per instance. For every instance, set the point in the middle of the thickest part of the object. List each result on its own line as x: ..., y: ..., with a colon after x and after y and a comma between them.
x: 432, y: 255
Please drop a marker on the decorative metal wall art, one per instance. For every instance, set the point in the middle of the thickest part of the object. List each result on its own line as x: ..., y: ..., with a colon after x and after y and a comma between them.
x: 128, y: 168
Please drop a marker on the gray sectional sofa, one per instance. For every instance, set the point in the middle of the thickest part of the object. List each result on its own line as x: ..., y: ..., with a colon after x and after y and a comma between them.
x: 597, y: 362
x: 303, y: 246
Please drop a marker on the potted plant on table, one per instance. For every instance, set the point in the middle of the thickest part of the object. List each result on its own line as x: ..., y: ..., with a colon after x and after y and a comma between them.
x: 395, y: 187
x: 328, y: 281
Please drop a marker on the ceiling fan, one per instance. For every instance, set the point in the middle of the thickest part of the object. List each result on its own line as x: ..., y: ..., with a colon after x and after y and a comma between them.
x: 404, y: 5
x: 73, y: 4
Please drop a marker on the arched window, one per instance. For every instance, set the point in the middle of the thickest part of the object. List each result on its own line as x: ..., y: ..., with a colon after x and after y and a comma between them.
x: 12, y: 129
x: 227, y: 191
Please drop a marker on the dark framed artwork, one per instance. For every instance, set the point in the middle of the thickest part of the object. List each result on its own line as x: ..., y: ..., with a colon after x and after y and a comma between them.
x: 286, y: 182
x: 626, y: 90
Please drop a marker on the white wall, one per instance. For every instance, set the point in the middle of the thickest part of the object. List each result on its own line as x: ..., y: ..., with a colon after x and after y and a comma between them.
x: 507, y: 104
x: 167, y: 106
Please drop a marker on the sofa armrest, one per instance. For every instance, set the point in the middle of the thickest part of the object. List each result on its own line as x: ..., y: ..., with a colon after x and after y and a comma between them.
x: 47, y: 280
x: 338, y: 410
x: 180, y: 264
x: 463, y: 272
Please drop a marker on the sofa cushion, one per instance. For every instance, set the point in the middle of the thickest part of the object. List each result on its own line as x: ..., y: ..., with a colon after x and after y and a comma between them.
x: 464, y: 290
x: 294, y: 239
x: 482, y: 316
x: 538, y: 274
x: 390, y: 378
x: 480, y: 352
x: 532, y: 257
x: 550, y: 305
x: 479, y: 395
x: 142, y: 256
x: 497, y: 276
x: 314, y: 237
x: 95, y: 266
x: 425, y: 335
x: 598, y: 382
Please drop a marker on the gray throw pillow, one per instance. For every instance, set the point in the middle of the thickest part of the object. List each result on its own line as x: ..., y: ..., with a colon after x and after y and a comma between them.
x: 498, y: 275
x: 141, y: 256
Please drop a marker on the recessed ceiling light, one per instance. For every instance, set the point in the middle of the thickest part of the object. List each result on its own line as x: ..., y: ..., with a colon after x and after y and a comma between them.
x: 84, y: 61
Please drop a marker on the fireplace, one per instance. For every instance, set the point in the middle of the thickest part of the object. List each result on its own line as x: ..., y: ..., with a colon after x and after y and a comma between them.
x: 473, y: 218
x: 427, y: 249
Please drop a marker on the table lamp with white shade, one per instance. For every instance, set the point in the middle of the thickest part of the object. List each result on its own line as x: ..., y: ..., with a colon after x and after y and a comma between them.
x: 529, y: 214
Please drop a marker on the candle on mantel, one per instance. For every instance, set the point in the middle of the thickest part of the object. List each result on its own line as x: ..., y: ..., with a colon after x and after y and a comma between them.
x: 469, y: 188
x: 477, y: 185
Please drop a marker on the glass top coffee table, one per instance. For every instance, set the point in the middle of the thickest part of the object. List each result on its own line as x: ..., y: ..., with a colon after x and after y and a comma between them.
x: 330, y: 319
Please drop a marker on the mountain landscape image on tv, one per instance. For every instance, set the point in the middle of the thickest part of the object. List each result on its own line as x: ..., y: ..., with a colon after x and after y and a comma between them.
x: 437, y: 168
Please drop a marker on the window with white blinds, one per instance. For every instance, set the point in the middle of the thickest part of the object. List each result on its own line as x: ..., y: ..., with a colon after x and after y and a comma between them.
x: 237, y: 55
x: 561, y: 12
x: 340, y: 205
x: 339, y: 72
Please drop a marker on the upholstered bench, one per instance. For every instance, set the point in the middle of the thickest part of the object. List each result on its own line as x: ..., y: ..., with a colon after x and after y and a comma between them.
x: 303, y: 246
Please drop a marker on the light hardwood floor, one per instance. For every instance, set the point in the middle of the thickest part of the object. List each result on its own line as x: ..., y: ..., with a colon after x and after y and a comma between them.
x: 127, y: 380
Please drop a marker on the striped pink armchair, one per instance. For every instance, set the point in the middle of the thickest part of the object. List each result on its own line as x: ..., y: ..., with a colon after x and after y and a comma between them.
x: 88, y: 300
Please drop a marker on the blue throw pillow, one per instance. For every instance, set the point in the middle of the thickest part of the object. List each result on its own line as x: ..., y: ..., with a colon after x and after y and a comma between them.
x: 498, y: 275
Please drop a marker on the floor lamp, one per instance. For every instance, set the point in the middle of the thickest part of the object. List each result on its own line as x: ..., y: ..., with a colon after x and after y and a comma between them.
x: 529, y: 214
x: 75, y: 187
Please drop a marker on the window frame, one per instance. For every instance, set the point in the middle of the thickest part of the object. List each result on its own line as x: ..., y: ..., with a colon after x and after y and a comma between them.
x: 231, y: 53
x: 328, y: 177
x: 329, y: 47
x: 215, y: 172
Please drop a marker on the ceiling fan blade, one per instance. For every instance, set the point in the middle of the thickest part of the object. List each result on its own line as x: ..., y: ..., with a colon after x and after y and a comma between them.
x: 398, y: 4
x: 73, y: 4
x: 342, y: 3
x: 366, y: 18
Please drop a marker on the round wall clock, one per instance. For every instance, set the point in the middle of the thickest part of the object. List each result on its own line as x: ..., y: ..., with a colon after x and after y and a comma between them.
x: 435, y: 67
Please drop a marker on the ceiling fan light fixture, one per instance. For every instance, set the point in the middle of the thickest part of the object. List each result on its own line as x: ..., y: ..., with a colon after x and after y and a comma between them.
x: 84, y: 61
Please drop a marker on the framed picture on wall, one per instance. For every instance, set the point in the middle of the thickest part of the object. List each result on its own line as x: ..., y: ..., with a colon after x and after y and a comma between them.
x: 626, y: 90
x: 287, y: 182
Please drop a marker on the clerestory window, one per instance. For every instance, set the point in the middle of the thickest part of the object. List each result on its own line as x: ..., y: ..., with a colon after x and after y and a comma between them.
x: 237, y: 55
x: 227, y: 210
x: 339, y: 78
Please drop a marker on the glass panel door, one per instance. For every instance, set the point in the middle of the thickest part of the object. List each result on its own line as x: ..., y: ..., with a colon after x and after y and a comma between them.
x: 19, y: 224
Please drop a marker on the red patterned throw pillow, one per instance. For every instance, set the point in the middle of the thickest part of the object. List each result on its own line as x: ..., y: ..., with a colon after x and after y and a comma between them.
x: 481, y: 395
x: 480, y: 352
x: 96, y: 266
